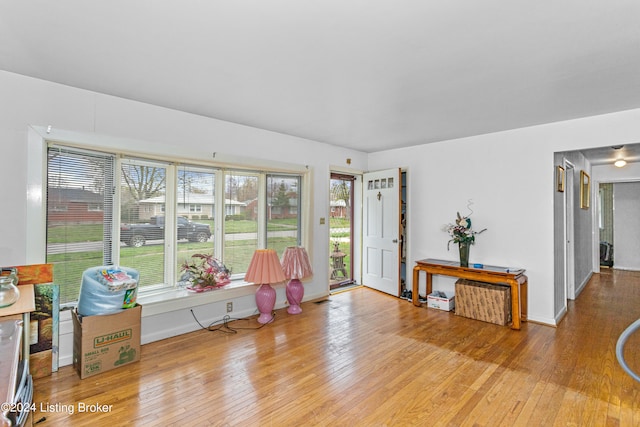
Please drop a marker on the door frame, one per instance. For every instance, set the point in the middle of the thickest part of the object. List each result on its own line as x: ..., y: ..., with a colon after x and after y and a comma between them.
x: 355, y: 180
x: 569, y: 230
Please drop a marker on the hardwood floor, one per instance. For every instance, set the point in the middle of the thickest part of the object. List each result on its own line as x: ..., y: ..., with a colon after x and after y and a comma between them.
x: 362, y: 358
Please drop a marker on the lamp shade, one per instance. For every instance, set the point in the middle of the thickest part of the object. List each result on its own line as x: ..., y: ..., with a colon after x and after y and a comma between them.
x: 295, y: 263
x: 264, y: 268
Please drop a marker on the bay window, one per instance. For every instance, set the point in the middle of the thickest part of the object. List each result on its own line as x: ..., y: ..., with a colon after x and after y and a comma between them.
x: 153, y: 215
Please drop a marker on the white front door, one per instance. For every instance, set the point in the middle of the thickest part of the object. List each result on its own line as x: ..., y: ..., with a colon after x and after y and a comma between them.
x: 381, y: 227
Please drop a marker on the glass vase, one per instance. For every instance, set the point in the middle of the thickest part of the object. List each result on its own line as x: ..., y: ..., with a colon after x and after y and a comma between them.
x: 464, y: 254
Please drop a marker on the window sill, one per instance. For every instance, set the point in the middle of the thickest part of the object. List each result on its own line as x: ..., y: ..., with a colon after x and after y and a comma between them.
x: 165, y: 301
x: 177, y: 299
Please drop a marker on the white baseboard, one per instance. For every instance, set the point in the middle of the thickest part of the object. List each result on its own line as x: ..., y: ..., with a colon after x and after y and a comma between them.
x: 161, y: 325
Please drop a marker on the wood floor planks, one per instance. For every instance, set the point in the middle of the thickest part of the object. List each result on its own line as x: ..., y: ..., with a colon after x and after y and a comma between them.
x: 363, y: 358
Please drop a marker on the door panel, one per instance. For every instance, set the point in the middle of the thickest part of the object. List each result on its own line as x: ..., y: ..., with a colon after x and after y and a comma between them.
x: 389, y: 265
x: 381, y: 226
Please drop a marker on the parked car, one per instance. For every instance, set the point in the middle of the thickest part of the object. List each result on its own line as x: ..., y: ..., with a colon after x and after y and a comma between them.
x: 136, y: 235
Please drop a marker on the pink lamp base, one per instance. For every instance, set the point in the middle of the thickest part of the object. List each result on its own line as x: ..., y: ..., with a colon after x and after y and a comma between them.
x: 265, y: 300
x: 295, y: 292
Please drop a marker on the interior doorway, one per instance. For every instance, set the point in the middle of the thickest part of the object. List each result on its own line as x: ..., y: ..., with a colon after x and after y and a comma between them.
x: 341, y: 223
x: 617, y: 224
x: 605, y: 223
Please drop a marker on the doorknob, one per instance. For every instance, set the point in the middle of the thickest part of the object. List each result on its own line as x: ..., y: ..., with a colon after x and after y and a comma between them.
x: 395, y: 240
x: 379, y: 195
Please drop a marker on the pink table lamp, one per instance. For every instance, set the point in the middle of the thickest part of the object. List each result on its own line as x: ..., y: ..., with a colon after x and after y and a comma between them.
x: 263, y: 270
x: 296, y: 266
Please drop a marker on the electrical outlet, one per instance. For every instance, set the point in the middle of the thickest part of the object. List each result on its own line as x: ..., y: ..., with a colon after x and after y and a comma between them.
x: 229, y: 307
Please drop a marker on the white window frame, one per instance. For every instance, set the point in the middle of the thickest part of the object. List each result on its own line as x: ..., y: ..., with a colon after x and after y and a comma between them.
x: 37, y: 137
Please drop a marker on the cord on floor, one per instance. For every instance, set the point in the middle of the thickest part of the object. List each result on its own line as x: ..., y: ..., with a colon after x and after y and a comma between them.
x: 223, y: 326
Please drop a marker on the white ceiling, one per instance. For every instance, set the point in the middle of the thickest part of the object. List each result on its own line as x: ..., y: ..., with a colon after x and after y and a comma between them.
x: 364, y: 74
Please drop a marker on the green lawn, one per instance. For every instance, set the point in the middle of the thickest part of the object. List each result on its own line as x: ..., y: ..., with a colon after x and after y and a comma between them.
x: 149, y: 259
x: 339, y: 222
x: 76, y: 233
x: 93, y: 232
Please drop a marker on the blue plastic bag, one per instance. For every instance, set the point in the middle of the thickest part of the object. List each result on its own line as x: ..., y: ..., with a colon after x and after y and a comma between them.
x: 104, y: 291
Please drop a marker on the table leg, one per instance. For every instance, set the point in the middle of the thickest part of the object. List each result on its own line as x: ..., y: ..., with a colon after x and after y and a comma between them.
x: 26, y: 339
x: 515, y: 304
x: 414, y: 293
x: 429, y: 283
x: 524, y: 303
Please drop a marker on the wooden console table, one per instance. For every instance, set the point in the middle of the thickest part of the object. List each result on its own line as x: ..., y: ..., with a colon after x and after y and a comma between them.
x: 488, y: 274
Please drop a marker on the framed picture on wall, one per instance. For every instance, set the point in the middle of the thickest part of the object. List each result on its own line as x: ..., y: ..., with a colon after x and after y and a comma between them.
x: 585, y: 189
x: 560, y: 178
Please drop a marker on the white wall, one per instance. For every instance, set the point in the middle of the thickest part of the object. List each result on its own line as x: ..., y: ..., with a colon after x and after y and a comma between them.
x: 145, y: 128
x: 510, y: 176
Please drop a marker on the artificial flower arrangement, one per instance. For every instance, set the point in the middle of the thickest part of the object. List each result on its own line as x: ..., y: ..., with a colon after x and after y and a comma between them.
x: 460, y: 231
x: 204, y: 273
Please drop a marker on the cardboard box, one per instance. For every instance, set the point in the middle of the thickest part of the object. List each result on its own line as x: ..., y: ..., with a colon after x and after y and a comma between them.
x: 103, y: 343
x: 483, y: 301
x: 446, y: 304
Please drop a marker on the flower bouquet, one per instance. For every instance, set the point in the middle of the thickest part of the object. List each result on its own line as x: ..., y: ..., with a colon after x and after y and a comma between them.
x: 204, y: 273
x: 462, y: 234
